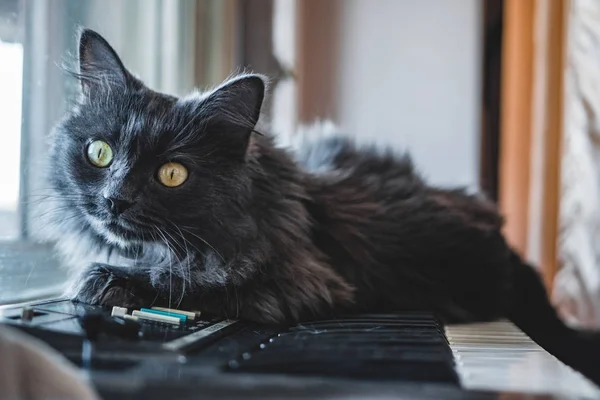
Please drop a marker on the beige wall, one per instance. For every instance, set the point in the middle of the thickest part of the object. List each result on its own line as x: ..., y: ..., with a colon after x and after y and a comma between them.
x: 401, y: 72
x: 409, y: 75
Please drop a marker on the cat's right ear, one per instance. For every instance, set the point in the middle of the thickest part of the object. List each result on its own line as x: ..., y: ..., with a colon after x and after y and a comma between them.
x: 99, y: 64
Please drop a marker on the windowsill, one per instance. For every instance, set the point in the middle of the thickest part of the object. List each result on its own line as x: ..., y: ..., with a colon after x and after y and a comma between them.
x: 28, y: 271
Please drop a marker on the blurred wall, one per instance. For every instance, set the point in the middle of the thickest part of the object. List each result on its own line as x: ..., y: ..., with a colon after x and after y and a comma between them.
x: 407, y: 73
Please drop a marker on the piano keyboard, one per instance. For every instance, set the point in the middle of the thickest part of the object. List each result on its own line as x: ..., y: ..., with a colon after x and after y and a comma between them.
x: 408, y: 355
x: 498, y: 356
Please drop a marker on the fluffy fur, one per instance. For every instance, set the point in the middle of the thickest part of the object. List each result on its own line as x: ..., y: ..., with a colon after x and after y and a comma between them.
x: 260, y: 233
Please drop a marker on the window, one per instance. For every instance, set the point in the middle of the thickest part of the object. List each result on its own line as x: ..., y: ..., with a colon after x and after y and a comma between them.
x: 11, y: 74
x: 174, y: 46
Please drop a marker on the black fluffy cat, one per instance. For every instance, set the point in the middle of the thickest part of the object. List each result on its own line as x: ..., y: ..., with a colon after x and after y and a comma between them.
x: 181, y: 203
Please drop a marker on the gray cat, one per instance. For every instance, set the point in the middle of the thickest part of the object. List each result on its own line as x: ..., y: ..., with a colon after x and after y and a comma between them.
x: 180, y: 202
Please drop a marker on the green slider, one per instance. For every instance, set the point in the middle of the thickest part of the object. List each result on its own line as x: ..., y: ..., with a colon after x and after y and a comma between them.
x: 182, y: 318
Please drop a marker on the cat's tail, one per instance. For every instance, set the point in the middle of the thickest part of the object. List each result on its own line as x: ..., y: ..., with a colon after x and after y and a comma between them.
x: 533, y: 313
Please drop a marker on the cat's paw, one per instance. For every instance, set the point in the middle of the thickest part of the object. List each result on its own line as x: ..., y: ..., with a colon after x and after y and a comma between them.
x: 108, y: 286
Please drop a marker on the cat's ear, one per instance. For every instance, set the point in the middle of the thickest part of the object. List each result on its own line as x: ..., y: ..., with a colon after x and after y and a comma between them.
x: 238, y: 101
x: 99, y: 64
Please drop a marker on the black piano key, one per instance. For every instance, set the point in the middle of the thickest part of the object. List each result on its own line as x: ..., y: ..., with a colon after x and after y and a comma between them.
x: 332, y: 345
x: 342, y: 343
x: 412, y: 356
x: 368, y: 331
x: 390, y: 317
x: 374, y: 320
x: 332, y: 325
x: 348, y: 335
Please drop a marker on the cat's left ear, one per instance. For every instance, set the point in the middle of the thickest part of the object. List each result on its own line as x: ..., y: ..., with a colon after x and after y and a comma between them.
x: 238, y: 101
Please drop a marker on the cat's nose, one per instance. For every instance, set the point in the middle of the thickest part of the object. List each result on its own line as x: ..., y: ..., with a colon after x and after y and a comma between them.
x: 117, y: 206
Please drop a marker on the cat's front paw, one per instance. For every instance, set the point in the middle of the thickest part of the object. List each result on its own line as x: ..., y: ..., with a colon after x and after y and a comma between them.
x: 109, y: 286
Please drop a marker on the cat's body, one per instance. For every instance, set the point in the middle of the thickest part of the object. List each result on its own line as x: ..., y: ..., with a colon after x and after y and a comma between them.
x: 402, y: 243
x: 259, y: 233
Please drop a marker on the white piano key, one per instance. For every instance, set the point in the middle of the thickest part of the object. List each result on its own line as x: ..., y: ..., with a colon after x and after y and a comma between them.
x: 499, y: 356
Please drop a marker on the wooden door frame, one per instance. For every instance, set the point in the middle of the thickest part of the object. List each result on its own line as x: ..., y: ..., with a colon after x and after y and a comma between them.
x: 317, y: 52
x: 492, y: 21
x: 533, y: 69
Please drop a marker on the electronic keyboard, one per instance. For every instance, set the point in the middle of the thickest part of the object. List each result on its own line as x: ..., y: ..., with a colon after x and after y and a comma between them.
x: 159, y: 353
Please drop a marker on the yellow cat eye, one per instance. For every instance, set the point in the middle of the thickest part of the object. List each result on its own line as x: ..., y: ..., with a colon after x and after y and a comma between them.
x: 172, y: 174
x: 99, y: 153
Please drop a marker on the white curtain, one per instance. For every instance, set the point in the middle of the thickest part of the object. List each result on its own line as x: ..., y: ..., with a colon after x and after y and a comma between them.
x: 577, y: 284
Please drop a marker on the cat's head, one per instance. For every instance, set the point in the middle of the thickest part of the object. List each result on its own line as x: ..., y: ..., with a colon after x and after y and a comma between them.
x: 130, y: 164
